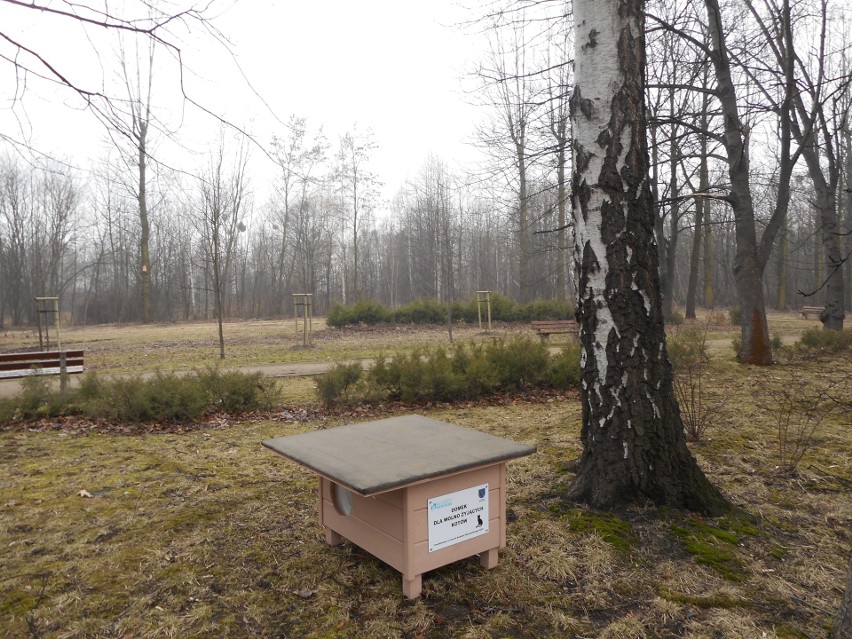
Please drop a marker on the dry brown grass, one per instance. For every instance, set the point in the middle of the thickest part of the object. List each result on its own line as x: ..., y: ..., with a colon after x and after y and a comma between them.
x: 139, y: 347
x: 206, y: 534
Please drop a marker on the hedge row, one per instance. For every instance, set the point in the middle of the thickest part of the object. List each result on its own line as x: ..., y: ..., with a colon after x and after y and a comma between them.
x: 432, y: 311
x: 165, y: 397
x: 464, y: 371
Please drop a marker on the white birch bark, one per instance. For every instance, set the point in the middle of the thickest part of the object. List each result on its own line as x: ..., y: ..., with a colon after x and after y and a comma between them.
x: 634, y: 450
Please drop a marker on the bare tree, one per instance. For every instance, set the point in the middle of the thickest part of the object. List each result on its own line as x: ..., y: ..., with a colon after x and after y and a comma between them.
x: 38, y: 218
x: 223, y: 200
x: 133, y: 124
x: 817, y: 131
x: 16, y: 221
x: 701, y: 218
x: 300, y: 160
x: 511, y: 86
x: 31, y: 62
x: 558, y: 81
x: 359, y: 188
x: 752, y: 253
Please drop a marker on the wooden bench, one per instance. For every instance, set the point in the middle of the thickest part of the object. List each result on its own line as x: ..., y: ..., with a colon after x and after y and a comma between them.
x: 812, y: 310
x: 545, y: 328
x: 40, y: 363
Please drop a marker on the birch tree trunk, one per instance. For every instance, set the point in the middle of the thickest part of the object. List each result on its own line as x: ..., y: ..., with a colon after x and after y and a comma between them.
x: 634, y: 449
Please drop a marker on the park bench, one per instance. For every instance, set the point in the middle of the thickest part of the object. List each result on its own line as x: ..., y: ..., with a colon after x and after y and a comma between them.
x: 40, y: 363
x: 545, y: 328
x: 812, y: 310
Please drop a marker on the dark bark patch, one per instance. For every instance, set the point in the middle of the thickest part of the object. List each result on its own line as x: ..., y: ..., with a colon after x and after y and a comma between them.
x: 582, y: 194
x: 760, y: 350
x: 593, y: 40
x: 582, y: 157
x: 612, y: 224
x: 579, y: 104
x: 629, y: 8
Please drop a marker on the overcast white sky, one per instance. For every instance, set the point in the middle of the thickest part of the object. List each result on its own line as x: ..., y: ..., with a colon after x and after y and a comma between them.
x: 393, y: 66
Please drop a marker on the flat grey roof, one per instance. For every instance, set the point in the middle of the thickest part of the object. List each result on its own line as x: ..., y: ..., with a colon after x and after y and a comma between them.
x: 374, y: 457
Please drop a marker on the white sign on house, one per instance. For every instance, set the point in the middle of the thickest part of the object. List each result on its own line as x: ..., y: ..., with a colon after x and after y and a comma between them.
x: 457, y: 517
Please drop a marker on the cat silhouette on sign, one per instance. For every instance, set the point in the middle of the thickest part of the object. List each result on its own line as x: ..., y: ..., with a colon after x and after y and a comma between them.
x: 478, y: 521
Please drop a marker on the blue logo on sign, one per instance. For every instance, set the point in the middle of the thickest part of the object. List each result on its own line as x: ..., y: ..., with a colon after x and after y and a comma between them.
x: 481, y: 493
x: 442, y: 503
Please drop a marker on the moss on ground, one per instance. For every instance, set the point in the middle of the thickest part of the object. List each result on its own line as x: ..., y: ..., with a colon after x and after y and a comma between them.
x: 716, y: 600
x: 612, y: 529
x: 788, y: 632
x: 715, y: 546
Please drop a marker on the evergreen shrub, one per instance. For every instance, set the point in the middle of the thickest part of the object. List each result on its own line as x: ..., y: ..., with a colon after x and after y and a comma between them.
x: 464, y: 371
x: 432, y: 311
x: 235, y: 391
x: 166, y: 397
x: 338, y: 385
x: 819, y: 340
x: 367, y: 312
x: 735, y: 314
x: 564, y: 369
x: 675, y: 319
x: 429, y: 311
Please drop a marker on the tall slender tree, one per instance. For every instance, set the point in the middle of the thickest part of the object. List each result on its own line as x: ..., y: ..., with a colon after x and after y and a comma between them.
x: 222, y: 203
x: 511, y: 88
x: 359, y: 187
x: 138, y: 76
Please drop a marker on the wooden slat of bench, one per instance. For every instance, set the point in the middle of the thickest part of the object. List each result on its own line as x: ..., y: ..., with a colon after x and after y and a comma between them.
x: 546, y: 324
x: 25, y: 366
x: 546, y: 328
x: 52, y: 370
x: 38, y: 356
x: 39, y: 363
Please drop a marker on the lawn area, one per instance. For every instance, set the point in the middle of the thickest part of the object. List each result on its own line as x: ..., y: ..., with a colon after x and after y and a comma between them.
x: 206, y: 534
x: 137, y: 347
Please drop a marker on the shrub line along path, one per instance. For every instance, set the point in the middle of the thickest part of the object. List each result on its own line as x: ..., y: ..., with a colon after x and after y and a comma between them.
x: 11, y: 387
